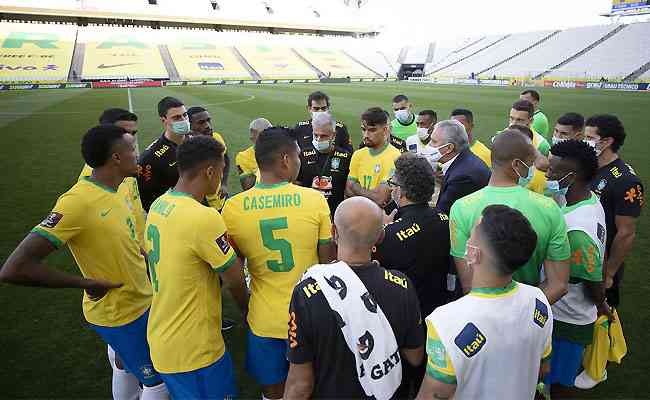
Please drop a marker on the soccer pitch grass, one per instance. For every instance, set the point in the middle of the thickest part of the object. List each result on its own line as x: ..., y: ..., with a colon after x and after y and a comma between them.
x: 47, y: 350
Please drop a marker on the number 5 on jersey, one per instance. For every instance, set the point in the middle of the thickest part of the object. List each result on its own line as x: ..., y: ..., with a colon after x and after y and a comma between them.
x: 267, y: 227
x: 153, y: 235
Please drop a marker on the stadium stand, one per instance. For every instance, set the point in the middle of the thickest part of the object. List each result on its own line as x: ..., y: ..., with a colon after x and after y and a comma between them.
x: 552, y: 52
x: 466, y: 51
x: 334, y: 63
x: 119, y: 53
x: 276, y: 61
x: 202, y: 55
x: 615, y: 58
x: 35, y: 52
x: 487, y: 58
x: 365, y: 51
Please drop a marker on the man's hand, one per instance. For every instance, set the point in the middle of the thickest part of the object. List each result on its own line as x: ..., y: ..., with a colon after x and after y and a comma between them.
x: 388, y: 219
x: 381, y: 195
x: 97, y: 288
x: 223, y: 192
x: 605, y: 309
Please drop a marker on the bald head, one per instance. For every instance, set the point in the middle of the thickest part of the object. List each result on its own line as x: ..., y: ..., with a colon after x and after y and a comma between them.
x: 359, y: 223
x: 511, y: 145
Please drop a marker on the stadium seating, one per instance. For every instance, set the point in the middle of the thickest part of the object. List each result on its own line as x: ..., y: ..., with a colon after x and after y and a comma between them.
x: 334, y: 62
x: 35, y: 52
x: 118, y: 53
x: 276, y: 61
x: 452, y: 53
x: 201, y: 55
x: 494, y: 54
x: 615, y: 58
x: 552, y: 52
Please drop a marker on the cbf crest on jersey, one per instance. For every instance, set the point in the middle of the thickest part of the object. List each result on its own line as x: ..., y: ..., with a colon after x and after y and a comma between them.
x: 336, y: 162
x: 377, y: 168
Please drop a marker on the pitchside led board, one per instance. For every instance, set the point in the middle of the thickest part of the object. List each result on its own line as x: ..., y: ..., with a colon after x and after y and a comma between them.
x: 35, y: 52
x: 630, y: 7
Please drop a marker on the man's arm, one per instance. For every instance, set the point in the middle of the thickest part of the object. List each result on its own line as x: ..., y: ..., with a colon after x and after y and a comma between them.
x: 380, y: 194
x: 556, y: 284
x: 226, y: 172
x: 621, y: 246
x: 326, y: 252
x: 454, y: 190
x: 435, y: 389
x: 25, y: 267
x: 464, y: 274
x: 300, y: 382
x: 233, y: 279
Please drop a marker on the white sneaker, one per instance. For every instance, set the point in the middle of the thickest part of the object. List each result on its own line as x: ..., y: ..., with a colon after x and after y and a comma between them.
x: 584, y: 381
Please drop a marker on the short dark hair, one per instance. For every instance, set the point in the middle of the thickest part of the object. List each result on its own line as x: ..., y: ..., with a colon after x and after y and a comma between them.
x: 526, y: 131
x: 464, y: 112
x: 196, y: 150
x: 270, y: 144
x: 399, y: 98
x: 524, y: 105
x: 430, y: 113
x: 166, y: 103
x: 112, y: 115
x: 194, y: 110
x: 318, y: 96
x: 375, y: 116
x: 97, y: 144
x: 581, y: 154
x: 574, y: 120
x: 509, y: 236
x: 415, y: 177
x: 609, y: 126
x: 533, y: 93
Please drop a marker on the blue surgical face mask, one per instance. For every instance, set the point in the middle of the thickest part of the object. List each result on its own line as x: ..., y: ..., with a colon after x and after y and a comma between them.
x: 321, y: 147
x: 553, y: 188
x: 403, y: 116
x: 181, y: 127
x: 525, y: 181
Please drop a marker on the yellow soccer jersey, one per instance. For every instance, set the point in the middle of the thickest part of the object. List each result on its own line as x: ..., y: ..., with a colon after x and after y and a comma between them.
x: 277, y: 228
x: 128, y: 189
x: 98, y: 227
x: 370, y: 167
x: 215, y: 200
x: 187, y: 246
x: 246, y: 163
x: 482, y: 151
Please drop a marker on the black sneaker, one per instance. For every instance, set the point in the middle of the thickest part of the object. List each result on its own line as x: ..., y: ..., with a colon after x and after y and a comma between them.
x: 227, y: 324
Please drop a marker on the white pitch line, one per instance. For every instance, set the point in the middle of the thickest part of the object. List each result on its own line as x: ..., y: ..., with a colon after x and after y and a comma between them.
x: 137, y: 142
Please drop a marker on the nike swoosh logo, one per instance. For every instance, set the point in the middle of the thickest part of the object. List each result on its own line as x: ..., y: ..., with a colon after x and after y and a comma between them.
x: 105, y: 213
x: 104, y: 66
x: 172, y: 164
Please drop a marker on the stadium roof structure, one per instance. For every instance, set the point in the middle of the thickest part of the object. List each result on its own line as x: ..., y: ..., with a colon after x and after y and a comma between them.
x: 84, y: 17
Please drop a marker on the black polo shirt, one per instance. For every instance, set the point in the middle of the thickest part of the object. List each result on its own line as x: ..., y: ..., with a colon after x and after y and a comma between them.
x: 417, y: 243
x: 621, y: 193
x: 303, y: 133
x: 327, y: 173
x: 315, y: 336
x: 157, y: 171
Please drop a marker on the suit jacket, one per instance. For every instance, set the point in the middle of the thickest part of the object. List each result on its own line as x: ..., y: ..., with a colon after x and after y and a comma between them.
x: 465, y: 175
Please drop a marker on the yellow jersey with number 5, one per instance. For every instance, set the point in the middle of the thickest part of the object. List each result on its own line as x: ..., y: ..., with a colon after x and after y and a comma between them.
x: 371, y: 167
x: 277, y: 228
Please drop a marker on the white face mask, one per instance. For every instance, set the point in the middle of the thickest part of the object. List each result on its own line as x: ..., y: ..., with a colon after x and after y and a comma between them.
x: 594, y: 145
x: 423, y: 134
x: 403, y: 116
x: 315, y: 113
x: 557, y: 140
x: 436, y: 155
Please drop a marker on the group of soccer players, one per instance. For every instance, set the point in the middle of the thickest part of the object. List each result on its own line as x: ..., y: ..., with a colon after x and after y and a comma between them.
x: 156, y: 236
